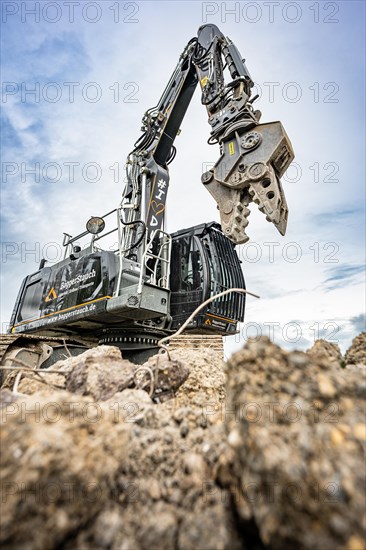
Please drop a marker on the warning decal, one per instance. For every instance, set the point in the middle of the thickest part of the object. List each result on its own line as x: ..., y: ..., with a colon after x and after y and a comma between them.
x: 51, y: 295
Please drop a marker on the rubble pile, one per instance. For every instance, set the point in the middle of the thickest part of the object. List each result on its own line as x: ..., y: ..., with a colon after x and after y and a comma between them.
x: 263, y: 452
x: 356, y: 355
x: 299, y: 437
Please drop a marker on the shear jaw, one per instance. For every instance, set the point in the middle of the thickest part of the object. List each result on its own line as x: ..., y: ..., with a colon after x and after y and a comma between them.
x: 249, y: 170
x: 233, y: 205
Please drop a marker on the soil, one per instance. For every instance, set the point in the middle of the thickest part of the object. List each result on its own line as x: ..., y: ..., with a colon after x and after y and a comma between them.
x: 265, y: 451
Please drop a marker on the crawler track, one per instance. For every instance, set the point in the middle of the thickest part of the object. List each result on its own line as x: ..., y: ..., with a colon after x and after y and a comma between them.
x: 197, y: 341
x: 10, y: 342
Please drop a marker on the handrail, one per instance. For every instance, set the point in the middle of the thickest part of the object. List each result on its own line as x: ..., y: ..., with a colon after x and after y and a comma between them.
x: 147, y: 255
x: 84, y: 233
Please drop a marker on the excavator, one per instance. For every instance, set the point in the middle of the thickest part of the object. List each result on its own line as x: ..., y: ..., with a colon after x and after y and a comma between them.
x: 147, y: 285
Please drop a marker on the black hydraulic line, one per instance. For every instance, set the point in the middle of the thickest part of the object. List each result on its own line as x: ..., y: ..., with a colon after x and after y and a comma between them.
x: 172, y: 155
x: 197, y: 59
x: 136, y: 244
x: 145, y: 140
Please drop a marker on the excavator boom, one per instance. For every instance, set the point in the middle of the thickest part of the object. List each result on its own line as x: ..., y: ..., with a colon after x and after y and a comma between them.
x: 253, y: 156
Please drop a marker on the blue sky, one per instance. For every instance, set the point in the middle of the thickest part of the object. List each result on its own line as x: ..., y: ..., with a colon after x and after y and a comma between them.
x: 94, y: 80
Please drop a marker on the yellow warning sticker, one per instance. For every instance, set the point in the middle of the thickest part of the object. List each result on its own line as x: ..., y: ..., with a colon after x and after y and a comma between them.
x: 232, y: 147
x: 51, y: 295
x: 204, y: 81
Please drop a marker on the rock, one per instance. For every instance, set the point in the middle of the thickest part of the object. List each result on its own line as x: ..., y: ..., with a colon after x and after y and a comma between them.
x: 325, y: 385
x: 205, y: 386
x: 359, y: 431
x: 208, y: 528
x: 128, y: 406
x: 298, y: 463
x: 46, y: 382
x: 100, y: 372
x: 356, y: 354
x: 7, y: 397
x: 162, y: 376
x: 107, y: 526
x: 327, y: 352
x: 159, y: 534
x: 356, y: 543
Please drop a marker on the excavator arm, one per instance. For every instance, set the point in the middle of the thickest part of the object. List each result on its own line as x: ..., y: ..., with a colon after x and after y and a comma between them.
x: 253, y: 156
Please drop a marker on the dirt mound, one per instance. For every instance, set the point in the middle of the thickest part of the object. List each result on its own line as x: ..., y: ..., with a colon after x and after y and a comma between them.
x: 299, y: 438
x: 85, y: 471
x: 101, y: 372
x: 356, y: 354
x: 276, y: 463
x: 327, y: 353
x: 59, y: 461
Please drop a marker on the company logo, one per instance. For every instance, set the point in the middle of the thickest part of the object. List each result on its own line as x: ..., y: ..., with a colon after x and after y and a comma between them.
x: 66, y: 285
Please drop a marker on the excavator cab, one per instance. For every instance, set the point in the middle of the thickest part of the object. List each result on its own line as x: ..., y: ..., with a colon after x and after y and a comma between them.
x: 204, y: 262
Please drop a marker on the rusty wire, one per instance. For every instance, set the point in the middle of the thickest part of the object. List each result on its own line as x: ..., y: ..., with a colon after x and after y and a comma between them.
x: 25, y: 367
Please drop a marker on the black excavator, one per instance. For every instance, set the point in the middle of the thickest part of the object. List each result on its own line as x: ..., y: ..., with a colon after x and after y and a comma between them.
x: 148, y: 284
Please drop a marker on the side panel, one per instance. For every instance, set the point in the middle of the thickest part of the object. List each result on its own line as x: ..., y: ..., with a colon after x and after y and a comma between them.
x: 63, y: 293
x: 78, y: 282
